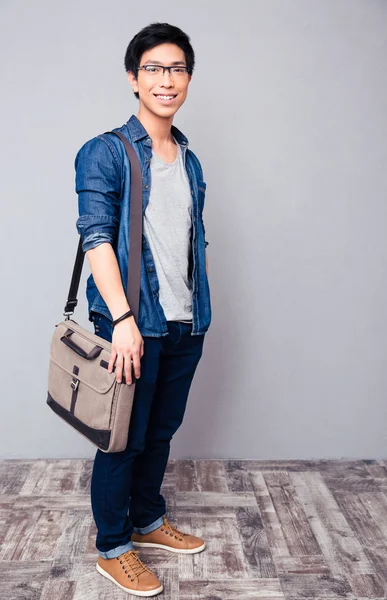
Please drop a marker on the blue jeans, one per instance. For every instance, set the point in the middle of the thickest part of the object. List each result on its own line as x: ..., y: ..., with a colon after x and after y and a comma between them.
x: 125, y: 486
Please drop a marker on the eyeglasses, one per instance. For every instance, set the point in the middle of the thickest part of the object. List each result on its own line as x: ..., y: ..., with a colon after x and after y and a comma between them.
x: 155, y: 70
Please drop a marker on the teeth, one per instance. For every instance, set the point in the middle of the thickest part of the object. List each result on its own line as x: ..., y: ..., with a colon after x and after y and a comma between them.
x: 165, y: 97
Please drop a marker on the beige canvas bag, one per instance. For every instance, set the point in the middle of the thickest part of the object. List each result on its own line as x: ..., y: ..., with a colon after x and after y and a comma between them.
x: 80, y: 388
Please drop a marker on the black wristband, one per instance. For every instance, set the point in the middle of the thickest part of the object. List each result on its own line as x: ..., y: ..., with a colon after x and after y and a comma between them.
x: 124, y: 316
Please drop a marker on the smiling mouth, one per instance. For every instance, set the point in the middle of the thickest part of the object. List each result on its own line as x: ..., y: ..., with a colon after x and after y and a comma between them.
x: 164, y: 96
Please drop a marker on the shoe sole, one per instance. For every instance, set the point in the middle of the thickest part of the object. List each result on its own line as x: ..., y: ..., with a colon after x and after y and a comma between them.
x: 178, y: 550
x: 127, y: 590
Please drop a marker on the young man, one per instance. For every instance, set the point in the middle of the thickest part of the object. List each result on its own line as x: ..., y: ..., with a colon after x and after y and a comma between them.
x: 166, y: 343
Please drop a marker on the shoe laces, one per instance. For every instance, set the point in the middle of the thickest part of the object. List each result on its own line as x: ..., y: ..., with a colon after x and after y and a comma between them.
x: 173, y: 530
x: 131, y: 560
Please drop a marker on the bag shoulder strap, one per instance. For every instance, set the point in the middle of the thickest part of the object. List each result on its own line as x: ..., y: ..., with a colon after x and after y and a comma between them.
x: 135, y: 239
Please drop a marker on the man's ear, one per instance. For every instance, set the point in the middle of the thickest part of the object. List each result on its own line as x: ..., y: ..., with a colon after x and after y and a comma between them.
x: 133, y: 81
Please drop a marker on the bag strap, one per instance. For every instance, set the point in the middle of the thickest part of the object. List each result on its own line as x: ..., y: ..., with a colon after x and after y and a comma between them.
x: 135, y: 239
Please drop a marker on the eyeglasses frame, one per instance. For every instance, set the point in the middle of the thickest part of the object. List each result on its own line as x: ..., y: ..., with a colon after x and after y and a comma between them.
x: 142, y: 67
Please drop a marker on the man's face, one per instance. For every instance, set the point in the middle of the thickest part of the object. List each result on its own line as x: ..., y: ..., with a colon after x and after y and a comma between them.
x: 150, y: 85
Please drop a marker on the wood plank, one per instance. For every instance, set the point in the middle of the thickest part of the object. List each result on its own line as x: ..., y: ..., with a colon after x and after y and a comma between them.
x: 187, y: 499
x: 201, y: 475
x: 62, y: 502
x: 20, y: 529
x: 82, y: 486
x: 6, y: 515
x: 13, y: 475
x: 316, y: 586
x: 26, y: 590
x: 59, y: 477
x: 294, y: 466
x: 58, y: 589
x: 273, y: 528
x: 238, y: 477
x: 255, y: 545
x: 295, y: 526
x: 367, y: 515
x: 211, y: 476
x: 302, y: 565
x: 73, y: 540
x: 198, y: 511
x: 186, y: 479
x: 230, y: 589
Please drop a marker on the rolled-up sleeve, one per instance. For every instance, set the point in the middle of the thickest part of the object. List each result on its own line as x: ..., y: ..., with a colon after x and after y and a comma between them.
x: 98, y: 185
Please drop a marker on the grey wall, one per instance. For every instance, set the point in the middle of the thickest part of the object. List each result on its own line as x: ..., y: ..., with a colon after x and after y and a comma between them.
x: 287, y: 112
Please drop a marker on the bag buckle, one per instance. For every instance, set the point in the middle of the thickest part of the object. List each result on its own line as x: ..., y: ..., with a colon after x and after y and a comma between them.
x: 74, y: 384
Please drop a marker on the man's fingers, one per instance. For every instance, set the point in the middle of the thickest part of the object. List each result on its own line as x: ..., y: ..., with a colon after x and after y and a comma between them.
x: 119, y: 365
x: 127, y: 364
x: 136, y: 364
x: 128, y: 369
x: 111, y: 361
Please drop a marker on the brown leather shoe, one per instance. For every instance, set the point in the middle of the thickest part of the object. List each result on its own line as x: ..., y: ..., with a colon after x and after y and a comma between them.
x: 169, y: 538
x: 130, y: 574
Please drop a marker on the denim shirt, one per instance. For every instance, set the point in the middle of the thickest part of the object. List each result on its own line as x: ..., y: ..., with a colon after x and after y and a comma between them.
x: 102, y: 183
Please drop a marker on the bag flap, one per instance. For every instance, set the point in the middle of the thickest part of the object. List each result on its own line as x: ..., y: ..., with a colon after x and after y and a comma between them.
x: 90, y: 372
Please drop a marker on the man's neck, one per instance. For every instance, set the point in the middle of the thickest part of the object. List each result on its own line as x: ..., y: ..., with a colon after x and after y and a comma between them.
x: 158, y: 128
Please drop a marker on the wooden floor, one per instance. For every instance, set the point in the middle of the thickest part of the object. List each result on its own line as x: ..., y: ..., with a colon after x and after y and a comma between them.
x: 294, y: 530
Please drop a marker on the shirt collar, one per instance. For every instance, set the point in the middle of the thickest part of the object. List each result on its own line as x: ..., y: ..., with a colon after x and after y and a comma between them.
x: 138, y: 131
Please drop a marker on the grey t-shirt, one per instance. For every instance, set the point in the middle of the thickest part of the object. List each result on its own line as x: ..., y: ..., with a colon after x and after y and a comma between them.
x: 167, y: 226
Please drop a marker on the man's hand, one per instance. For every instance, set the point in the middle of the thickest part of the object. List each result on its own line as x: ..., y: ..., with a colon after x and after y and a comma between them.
x: 127, y: 343
x: 127, y: 346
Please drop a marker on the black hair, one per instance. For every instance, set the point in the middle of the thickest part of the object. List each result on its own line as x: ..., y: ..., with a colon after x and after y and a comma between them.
x: 153, y: 35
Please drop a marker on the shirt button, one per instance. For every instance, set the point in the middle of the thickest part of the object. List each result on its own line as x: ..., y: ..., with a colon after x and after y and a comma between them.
x: 150, y: 269
x: 145, y: 186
